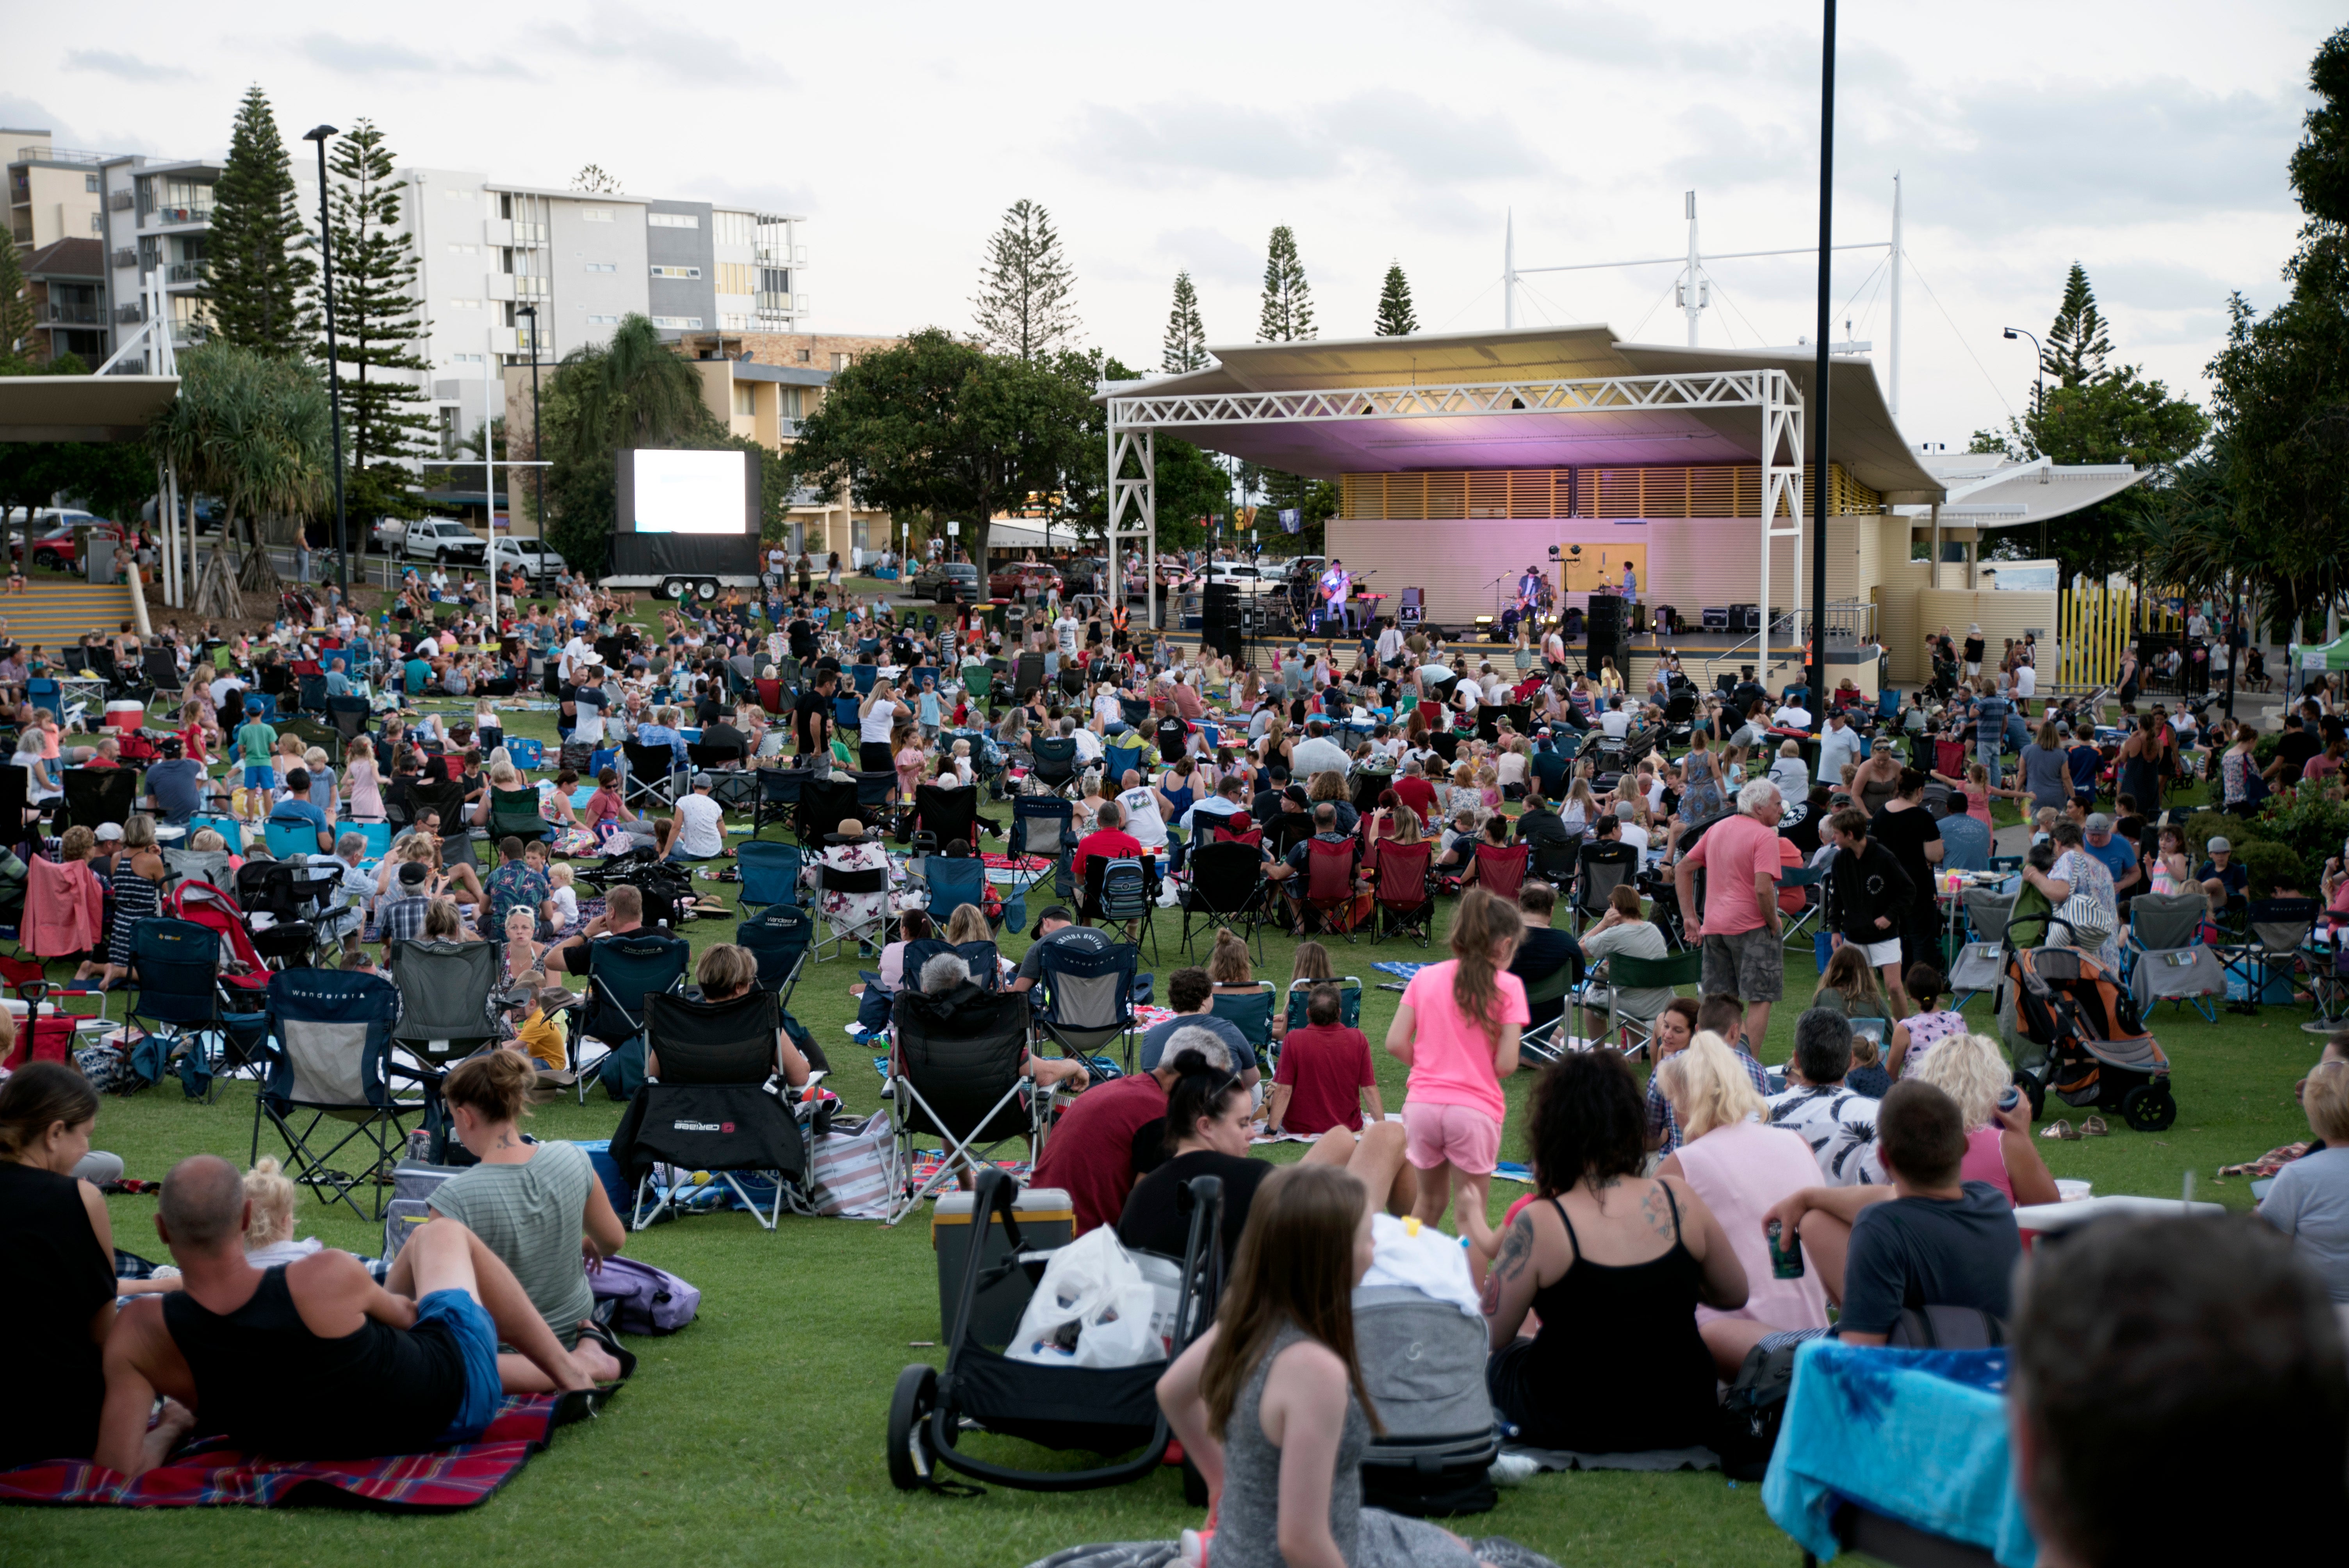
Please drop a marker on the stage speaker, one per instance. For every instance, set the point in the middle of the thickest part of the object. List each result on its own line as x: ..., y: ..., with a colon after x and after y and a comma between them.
x: 1413, y: 609
x: 1220, y: 624
x: 1604, y: 623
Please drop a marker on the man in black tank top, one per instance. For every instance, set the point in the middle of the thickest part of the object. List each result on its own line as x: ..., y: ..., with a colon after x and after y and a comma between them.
x: 313, y: 1359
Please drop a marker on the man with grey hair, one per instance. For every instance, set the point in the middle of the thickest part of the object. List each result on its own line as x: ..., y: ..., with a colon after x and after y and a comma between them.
x: 1738, y: 926
x: 353, y: 892
x: 1317, y: 753
x: 944, y: 973
x: 313, y: 1359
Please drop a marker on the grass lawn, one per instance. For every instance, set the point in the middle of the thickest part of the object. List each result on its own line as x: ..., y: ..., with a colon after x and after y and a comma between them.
x: 756, y: 1432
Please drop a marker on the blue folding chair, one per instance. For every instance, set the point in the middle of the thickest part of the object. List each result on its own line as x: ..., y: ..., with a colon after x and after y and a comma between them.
x: 329, y: 1056
x: 779, y: 937
x: 1088, y: 997
x: 770, y: 872
x: 1115, y: 762
x: 862, y: 677
x: 231, y: 831
x: 954, y: 881
x: 268, y: 706
x: 1249, y: 1012
x: 622, y: 971
x: 175, y: 966
x: 376, y: 834
x: 291, y: 841
x: 845, y: 712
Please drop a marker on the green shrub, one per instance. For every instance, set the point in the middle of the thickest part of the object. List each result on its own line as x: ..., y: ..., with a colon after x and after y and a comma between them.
x: 2263, y: 750
x: 2201, y: 826
x: 2271, y: 866
x: 2305, y: 817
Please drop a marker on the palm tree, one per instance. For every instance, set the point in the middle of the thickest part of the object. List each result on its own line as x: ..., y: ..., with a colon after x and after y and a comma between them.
x: 254, y: 430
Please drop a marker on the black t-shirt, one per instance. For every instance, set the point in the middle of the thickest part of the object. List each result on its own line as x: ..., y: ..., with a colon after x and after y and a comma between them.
x: 1540, y: 955
x: 808, y: 717
x: 721, y: 735
x: 801, y: 634
x: 1905, y: 834
x: 1800, y: 828
x: 2295, y: 748
x: 55, y: 1277
x: 1931, y: 1251
x: 1153, y: 1221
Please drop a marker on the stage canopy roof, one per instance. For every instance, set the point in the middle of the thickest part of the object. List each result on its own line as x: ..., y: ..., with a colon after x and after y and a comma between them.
x: 81, y: 407
x: 1988, y: 491
x: 1861, y: 433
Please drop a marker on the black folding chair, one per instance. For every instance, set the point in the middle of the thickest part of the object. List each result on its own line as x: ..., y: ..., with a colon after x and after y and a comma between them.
x: 957, y: 1071
x: 329, y: 1056
x: 779, y: 796
x: 622, y: 972
x: 716, y: 1104
x: 1087, y: 995
x: 445, y: 1012
x: 99, y: 795
x: 944, y: 816
x: 1226, y: 888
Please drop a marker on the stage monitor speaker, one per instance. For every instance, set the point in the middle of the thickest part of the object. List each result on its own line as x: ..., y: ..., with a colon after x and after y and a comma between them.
x: 1605, y: 621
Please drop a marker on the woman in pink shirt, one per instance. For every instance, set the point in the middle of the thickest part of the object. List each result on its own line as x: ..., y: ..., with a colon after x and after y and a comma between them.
x: 1971, y: 1070
x: 1457, y: 1030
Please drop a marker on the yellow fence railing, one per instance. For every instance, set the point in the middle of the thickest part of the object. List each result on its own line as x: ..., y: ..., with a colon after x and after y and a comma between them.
x: 2097, y: 625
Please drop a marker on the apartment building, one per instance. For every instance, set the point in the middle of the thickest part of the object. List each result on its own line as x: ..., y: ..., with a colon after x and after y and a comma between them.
x: 64, y: 281
x: 52, y: 191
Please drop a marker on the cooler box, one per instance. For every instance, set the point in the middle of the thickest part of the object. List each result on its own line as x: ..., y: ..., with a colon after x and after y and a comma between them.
x: 1046, y: 1220
x: 126, y: 716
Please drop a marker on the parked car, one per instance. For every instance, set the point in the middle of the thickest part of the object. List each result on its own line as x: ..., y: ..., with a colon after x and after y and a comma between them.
x: 538, y: 561
x: 388, y: 534
x: 57, y: 544
x: 443, y: 540
x: 1033, y: 577
x: 947, y: 582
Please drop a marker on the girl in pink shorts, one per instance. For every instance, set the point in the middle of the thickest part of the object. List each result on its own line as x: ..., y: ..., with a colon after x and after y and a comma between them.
x: 1457, y: 1030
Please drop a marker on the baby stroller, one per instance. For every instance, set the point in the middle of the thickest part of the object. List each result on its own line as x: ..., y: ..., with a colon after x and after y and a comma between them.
x: 1423, y: 1362
x: 1105, y: 1410
x: 2097, y: 1052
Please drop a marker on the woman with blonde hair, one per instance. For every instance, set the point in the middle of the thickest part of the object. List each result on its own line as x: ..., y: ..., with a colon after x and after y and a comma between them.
x: 1971, y: 1070
x: 724, y: 972
x: 1740, y: 1166
x: 1227, y: 963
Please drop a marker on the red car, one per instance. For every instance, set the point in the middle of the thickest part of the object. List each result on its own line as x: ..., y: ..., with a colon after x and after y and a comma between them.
x: 1036, y: 578
x: 57, y: 549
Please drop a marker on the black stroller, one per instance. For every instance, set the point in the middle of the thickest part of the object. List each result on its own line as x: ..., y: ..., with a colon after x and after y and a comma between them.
x: 2097, y: 1052
x: 1099, y: 1410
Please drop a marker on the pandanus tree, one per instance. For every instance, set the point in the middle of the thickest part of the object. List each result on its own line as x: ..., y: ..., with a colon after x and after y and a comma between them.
x: 253, y: 430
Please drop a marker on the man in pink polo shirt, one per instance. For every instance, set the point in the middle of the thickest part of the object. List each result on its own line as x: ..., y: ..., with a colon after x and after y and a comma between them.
x: 1739, y: 925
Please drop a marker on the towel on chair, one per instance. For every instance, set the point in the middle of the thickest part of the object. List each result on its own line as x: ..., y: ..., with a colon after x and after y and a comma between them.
x: 65, y: 909
x: 212, y: 1474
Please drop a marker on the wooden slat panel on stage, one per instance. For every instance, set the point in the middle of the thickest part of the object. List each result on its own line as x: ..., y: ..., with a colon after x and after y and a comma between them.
x: 1700, y: 490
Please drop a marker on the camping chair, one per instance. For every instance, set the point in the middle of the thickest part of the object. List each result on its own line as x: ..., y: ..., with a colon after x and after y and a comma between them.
x: 1119, y: 891
x: 944, y: 816
x: 1605, y: 864
x: 291, y: 841
x: 956, y: 1070
x: 1502, y: 872
x: 778, y: 936
x: 1115, y: 762
x: 779, y: 796
x: 846, y: 927
x: 1554, y: 861
x: 1350, y: 1001
x: 717, y: 1105
x: 295, y: 896
x: 1981, y: 962
x: 1249, y: 1012
x: 1547, y: 1042
x: 175, y: 968
x: 1226, y: 888
x: 953, y: 881
x: 770, y: 872
x: 328, y: 1055
x: 650, y: 774
x: 1044, y: 826
x: 1054, y: 759
x: 1404, y: 879
x: 348, y: 716
x: 1088, y: 997
x: 445, y: 1013
x: 99, y: 795
x: 2163, y: 955
x: 197, y: 865
x: 824, y: 803
x: 621, y: 972
x: 1626, y: 973
x: 2276, y: 930
x: 1796, y: 925
x: 1330, y: 884
x: 514, y: 813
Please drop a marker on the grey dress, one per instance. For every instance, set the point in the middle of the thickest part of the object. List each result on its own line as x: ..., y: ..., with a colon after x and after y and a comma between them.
x: 1247, y: 1524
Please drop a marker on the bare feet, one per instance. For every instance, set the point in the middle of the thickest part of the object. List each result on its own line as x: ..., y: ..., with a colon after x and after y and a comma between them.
x: 173, y: 1423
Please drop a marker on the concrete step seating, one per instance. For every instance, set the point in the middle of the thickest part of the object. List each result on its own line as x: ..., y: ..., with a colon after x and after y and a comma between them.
x: 53, y: 614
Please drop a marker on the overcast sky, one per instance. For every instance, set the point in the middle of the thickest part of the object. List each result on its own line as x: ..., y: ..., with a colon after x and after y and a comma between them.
x: 2146, y: 140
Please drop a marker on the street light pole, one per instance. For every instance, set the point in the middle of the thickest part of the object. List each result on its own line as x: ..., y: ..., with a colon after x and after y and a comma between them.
x: 1818, y: 413
x: 320, y: 134
x: 2038, y: 411
x: 537, y: 448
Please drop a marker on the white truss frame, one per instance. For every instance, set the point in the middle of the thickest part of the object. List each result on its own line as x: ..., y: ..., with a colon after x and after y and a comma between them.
x: 1134, y: 418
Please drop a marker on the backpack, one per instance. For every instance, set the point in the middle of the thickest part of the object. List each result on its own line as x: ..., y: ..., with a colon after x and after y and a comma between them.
x: 637, y: 1298
x: 1754, y: 1409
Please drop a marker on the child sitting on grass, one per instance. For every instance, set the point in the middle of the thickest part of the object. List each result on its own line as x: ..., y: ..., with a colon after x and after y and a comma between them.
x: 566, y: 900
x: 1325, y: 1072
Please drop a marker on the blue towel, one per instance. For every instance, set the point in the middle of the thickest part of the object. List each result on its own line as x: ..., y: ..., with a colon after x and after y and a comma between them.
x: 1919, y: 1436
x: 1401, y: 971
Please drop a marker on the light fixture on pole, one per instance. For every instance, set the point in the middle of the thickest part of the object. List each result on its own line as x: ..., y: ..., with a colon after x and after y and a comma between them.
x: 2038, y: 411
x: 536, y: 451
x: 320, y: 134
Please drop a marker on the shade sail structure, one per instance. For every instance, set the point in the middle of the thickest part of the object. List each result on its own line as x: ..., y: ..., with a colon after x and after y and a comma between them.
x: 1531, y: 430
x: 1992, y: 492
x: 82, y: 408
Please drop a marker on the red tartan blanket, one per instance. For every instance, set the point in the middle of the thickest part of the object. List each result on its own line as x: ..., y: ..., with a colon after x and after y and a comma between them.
x: 211, y: 1474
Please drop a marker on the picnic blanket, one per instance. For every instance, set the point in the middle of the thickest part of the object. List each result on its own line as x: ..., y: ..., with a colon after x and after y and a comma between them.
x: 1918, y: 1436
x: 210, y: 1473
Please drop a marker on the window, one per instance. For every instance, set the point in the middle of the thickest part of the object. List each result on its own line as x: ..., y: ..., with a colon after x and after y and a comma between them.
x: 603, y: 321
x: 806, y: 355
x: 506, y: 205
x: 465, y: 358
x: 460, y: 195
x: 840, y: 362
x: 735, y: 277
x: 790, y: 401
x: 734, y: 321
x: 678, y: 322
x: 660, y: 272
x: 673, y: 220
x: 734, y: 228
x: 602, y: 267
x: 594, y: 214
x: 464, y: 249
x: 746, y: 399
x: 89, y: 182
x: 98, y: 222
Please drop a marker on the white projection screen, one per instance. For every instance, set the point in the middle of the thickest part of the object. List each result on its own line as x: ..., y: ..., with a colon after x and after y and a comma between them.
x: 689, y: 492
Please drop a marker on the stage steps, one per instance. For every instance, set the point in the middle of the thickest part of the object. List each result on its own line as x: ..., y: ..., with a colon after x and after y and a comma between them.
x: 52, y: 615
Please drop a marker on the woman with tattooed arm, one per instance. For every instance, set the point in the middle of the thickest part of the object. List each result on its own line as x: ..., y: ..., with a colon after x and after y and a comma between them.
x: 1615, y: 1266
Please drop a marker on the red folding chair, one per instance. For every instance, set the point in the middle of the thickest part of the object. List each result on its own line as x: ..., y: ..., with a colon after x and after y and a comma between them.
x: 1330, y: 886
x: 1501, y: 872
x: 1402, y: 886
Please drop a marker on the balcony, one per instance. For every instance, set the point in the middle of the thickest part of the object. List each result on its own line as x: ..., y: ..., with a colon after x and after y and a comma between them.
x: 163, y: 215
x: 72, y: 315
x: 787, y: 429
x: 184, y: 272
x: 42, y: 154
x: 120, y: 201
x: 129, y: 314
x: 125, y: 256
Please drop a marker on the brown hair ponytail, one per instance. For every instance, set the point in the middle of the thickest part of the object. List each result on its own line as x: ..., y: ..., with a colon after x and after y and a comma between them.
x: 1480, y: 923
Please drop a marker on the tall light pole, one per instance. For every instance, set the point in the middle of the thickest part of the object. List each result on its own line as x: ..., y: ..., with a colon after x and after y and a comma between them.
x: 537, y: 450
x: 320, y: 134
x: 2038, y: 410
x: 1818, y: 413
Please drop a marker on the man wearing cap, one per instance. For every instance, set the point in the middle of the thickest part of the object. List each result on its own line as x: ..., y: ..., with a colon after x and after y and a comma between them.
x: 1839, y: 743
x: 2221, y: 875
x: 2117, y: 855
x: 700, y: 826
x: 401, y: 917
x: 1056, y: 924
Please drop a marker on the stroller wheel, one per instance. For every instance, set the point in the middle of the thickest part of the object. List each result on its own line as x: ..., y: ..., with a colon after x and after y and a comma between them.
x: 2033, y: 1090
x: 910, y: 1427
x: 2149, y: 1108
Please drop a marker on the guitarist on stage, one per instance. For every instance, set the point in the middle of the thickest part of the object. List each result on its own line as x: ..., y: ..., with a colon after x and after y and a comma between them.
x: 1529, y: 591
x: 1336, y: 583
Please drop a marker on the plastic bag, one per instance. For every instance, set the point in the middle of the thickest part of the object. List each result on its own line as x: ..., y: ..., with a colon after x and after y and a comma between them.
x: 1092, y: 1308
